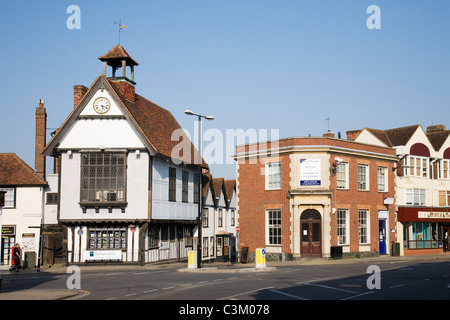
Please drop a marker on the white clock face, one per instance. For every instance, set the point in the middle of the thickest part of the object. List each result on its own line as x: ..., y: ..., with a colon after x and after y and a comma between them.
x: 101, y: 105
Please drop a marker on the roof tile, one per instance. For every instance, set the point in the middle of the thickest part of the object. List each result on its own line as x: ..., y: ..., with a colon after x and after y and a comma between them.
x: 15, y: 172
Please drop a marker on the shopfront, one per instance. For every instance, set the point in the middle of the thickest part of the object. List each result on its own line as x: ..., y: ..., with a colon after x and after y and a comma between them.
x: 425, y: 230
x: 7, y: 243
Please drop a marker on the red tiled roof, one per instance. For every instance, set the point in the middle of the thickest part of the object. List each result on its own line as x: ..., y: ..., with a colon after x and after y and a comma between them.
x: 218, y: 184
x: 400, y: 136
x: 206, y: 183
x: 229, y: 187
x: 155, y: 123
x: 437, y: 139
x: 393, y: 137
x: 158, y: 125
x: 15, y: 172
x: 115, y: 54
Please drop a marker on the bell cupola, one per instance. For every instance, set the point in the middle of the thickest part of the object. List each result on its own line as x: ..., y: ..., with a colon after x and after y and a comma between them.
x: 118, y: 58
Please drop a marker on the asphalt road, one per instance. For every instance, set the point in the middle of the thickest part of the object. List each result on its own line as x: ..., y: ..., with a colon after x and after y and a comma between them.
x: 394, y: 281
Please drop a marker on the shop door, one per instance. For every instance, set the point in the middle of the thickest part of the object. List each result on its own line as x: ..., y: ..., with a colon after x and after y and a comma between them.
x: 382, y: 235
x: 219, y: 251
x: 7, y: 244
x: 223, y: 248
x: 311, y: 244
x: 446, y: 238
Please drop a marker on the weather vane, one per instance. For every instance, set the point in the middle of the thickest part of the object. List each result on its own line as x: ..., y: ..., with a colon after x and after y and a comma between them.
x: 120, y: 28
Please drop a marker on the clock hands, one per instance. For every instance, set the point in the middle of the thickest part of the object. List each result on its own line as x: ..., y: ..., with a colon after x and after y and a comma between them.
x: 101, y: 105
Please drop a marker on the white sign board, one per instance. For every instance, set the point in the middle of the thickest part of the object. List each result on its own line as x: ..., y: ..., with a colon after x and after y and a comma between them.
x: 91, y: 255
x: 164, y: 245
x: 433, y: 215
x: 310, y: 172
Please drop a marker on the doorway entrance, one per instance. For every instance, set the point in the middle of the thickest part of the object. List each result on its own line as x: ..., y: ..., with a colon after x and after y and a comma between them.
x: 382, y: 236
x: 223, y: 247
x: 311, y: 237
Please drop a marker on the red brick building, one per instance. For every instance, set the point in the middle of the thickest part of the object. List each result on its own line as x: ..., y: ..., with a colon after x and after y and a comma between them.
x: 316, y: 197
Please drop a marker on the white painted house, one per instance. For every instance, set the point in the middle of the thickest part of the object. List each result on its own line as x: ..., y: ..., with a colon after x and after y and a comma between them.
x: 22, y: 213
x: 124, y: 194
x: 219, y: 232
x: 422, y: 184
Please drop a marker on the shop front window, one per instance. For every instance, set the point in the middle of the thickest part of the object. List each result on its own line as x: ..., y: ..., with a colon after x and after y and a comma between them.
x: 422, y: 235
x: 107, y: 238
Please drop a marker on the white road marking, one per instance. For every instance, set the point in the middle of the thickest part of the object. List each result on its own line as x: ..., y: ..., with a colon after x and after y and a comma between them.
x: 328, y: 287
x: 358, y: 295
x: 288, y: 295
x: 243, y: 293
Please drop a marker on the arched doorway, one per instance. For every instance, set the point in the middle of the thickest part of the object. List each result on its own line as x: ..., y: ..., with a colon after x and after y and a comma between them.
x: 311, y: 234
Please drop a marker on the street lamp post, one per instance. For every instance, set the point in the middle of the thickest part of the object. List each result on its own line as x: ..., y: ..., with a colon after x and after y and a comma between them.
x: 2, y: 203
x: 200, y: 226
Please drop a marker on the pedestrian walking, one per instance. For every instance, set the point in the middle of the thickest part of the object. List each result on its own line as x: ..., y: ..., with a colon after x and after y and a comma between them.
x: 16, y: 257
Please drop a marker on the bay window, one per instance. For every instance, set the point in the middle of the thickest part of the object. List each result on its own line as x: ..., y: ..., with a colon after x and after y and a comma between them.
x: 417, y: 166
x: 103, y: 177
x: 444, y: 169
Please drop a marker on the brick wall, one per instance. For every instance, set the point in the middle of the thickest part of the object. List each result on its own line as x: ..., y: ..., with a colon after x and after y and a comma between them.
x: 254, y: 200
x: 372, y: 200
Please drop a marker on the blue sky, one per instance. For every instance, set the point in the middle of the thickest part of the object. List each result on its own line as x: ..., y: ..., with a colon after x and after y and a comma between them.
x: 253, y: 64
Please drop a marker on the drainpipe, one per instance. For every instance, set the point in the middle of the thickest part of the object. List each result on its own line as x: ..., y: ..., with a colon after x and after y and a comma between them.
x: 432, y: 181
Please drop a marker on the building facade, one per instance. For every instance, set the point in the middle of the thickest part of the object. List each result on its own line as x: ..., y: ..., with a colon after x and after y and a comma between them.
x: 422, y: 184
x: 123, y: 194
x: 23, y: 209
x: 219, y: 220
x: 315, y: 196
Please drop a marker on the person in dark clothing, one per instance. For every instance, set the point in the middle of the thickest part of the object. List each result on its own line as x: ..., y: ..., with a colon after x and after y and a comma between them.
x: 16, y: 257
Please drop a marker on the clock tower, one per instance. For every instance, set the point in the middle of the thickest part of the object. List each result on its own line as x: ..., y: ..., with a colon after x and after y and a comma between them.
x: 117, y: 58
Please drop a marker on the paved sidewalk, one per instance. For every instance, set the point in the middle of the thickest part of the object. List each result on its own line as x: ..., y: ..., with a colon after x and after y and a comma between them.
x: 67, y: 294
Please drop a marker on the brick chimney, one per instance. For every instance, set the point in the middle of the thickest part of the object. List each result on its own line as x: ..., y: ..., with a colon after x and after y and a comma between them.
x: 78, y: 93
x: 40, y: 139
x: 328, y: 134
x: 436, y: 128
x: 353, y: 134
